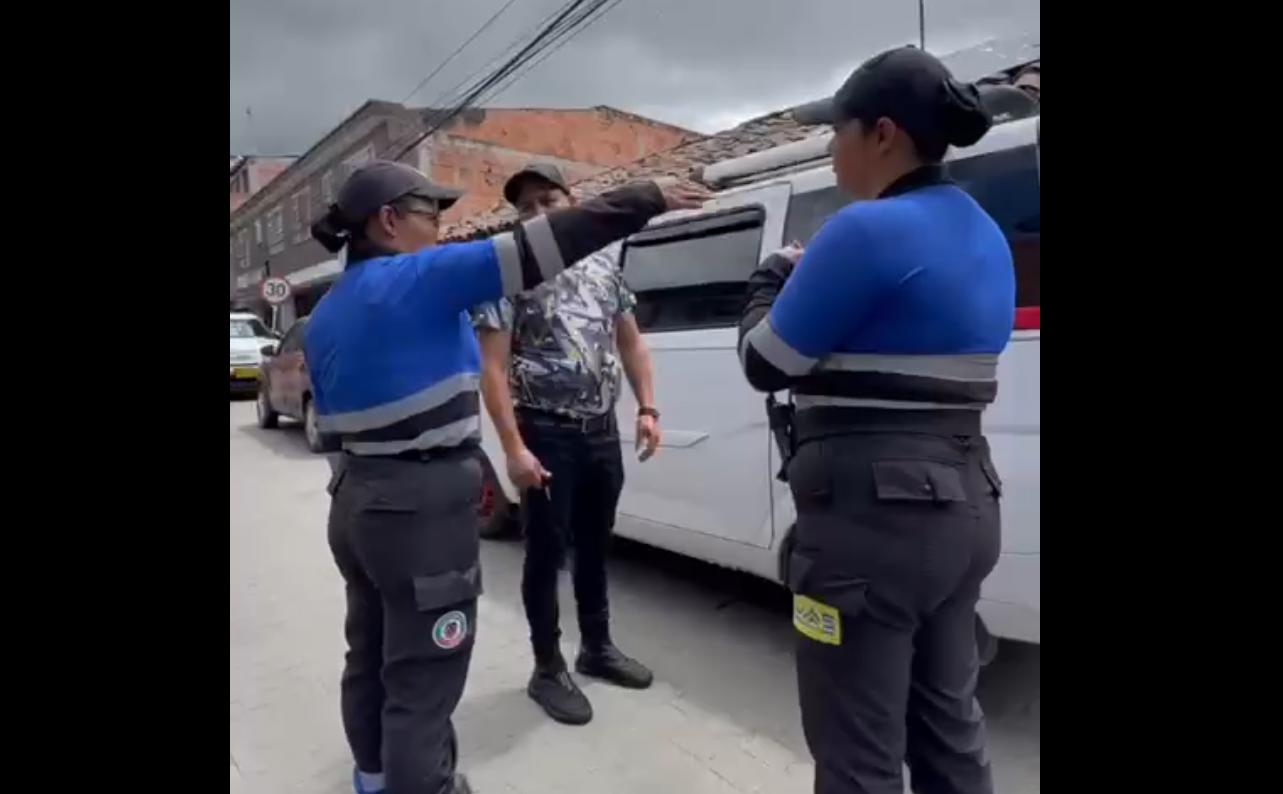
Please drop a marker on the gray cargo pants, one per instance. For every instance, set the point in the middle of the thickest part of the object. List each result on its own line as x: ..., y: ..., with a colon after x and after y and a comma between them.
x: 404, y: 535
x: 896, y: 532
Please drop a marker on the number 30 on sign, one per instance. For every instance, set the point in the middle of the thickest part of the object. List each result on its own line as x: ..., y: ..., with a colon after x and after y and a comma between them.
x: 275, y: 290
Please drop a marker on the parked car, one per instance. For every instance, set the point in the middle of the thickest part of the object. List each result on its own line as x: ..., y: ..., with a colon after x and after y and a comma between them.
x: 249, y: 335
x: 284, y: 387
x: 711, y: 493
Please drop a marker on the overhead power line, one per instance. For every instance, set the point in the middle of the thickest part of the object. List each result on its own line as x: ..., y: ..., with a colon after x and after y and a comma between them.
x: 451, y: 96
x: 500, y: 90
x: 450, y: 58
x: 568, y: 22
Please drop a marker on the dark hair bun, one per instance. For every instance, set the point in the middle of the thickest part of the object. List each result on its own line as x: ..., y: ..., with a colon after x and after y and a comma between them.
x: 329, y: 231
x: 965, y: 119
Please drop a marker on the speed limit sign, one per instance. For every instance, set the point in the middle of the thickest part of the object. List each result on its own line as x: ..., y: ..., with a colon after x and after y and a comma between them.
x: 275, y: 290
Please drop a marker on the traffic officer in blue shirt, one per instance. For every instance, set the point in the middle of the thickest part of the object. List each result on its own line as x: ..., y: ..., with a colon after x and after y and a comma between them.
x: 394, y: 367
x: 887, y: 331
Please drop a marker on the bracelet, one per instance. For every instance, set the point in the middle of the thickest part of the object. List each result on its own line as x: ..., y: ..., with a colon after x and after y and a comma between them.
x: 646, y: 410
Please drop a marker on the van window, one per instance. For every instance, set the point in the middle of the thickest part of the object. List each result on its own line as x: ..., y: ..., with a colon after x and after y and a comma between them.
x: 809, y: 211
x: 1005, y: 183
x: 691, y: 273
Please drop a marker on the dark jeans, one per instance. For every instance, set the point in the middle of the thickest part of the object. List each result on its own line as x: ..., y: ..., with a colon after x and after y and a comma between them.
x: 577, y: 509
x: 403, y: 534
x: 895, y: 533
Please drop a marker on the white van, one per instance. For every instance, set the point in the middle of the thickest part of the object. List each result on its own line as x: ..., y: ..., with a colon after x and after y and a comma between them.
x: 711, y: 492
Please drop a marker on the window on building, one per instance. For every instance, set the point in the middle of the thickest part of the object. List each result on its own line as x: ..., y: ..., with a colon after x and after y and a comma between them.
x: 327, y: 188
x: 242, y: 250
x: 691, y: 273
x: 357, y: 159
x: 301, y: 214
x: 276, y: 230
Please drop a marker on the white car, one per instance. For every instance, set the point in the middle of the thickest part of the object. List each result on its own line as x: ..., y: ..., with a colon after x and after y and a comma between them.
x: 249, y: 336
x: 711, y: 492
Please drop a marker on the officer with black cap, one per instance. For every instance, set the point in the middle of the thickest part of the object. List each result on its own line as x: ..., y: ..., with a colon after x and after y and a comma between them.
x: 887, y: 331
x: 394, y: 367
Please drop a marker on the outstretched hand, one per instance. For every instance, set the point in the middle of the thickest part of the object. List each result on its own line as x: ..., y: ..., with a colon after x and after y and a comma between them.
x: 680, y: 194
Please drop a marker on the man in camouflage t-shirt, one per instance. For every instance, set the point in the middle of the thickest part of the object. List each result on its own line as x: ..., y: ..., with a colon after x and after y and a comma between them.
x: 550, y: 378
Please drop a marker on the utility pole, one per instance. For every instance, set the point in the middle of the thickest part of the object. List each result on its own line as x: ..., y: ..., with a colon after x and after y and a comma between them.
x: 922, y: 25
x: 249, y: 130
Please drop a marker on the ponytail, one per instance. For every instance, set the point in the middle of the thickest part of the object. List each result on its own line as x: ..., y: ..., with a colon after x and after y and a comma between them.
x: 965, y: 119
x: 332, y: 231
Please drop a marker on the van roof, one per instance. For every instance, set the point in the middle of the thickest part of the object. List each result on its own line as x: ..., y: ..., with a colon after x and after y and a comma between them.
x: 813, y: 153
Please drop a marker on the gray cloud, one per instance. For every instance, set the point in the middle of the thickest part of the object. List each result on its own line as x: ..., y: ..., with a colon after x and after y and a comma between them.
x: 302, y: 65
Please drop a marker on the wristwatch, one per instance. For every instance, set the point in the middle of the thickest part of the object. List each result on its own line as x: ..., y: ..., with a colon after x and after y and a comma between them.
x: 646, y: 410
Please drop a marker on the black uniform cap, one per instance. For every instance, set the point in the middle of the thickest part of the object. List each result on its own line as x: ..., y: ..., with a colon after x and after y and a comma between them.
x: 382, y: 182
x: 371, y: 186
x: 913, y: 89
x: 539, y: 172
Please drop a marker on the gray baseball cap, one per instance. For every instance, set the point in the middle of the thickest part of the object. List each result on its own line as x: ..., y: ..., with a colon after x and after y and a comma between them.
x: 381, y: 182
x: 541, y: 172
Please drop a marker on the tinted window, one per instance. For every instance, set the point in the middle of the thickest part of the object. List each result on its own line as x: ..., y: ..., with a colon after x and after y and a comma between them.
x: 809, y: 211
x: 1006, y: 184
x: 691, y: 273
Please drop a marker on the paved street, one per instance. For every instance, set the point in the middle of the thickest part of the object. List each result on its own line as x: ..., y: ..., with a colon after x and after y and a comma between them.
x: 721, y: 719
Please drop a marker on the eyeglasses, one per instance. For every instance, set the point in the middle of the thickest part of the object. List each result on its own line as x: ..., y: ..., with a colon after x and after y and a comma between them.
x: 428, y: 213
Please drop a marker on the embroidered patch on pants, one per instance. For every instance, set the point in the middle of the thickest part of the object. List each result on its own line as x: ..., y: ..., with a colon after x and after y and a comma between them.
x: 450, y: 631
x: 816, y: 621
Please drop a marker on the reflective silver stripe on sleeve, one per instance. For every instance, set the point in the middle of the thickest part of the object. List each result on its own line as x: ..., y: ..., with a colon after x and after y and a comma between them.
x: 544, y: 247
x: 775, y: 350
x: 505, y: 248
x: 383, y: 415
x: 805, y: 401
x: 962, y: 367
x: 451, y: 435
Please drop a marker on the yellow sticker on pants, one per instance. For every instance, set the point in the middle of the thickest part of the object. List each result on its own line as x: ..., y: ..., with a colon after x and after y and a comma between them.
x: 819, y: 622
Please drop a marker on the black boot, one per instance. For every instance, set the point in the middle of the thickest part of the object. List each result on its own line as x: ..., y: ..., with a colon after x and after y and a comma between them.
x: 557, y: 693
x: 604, y: 661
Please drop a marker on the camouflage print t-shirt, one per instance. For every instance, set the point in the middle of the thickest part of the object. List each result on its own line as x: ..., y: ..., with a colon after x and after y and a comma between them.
x: 564, y: 357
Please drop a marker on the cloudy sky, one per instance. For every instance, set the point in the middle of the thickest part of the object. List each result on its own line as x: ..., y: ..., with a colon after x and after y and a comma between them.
x: 302, y: 65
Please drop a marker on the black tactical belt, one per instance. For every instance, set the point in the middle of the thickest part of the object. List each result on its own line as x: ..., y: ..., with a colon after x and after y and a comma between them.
x: 829, y: 421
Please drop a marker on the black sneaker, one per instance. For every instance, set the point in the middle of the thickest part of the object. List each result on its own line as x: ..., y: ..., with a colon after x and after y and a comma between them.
x: 556, y: 692
x: 609, y: 664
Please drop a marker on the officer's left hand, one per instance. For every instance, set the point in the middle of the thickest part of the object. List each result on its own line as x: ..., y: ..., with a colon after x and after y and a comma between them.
x: 647, y: 437
x: 783, y: 261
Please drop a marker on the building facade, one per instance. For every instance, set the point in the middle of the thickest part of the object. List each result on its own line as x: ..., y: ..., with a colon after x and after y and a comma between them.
x: 476, y: 152
x: 251, y: 173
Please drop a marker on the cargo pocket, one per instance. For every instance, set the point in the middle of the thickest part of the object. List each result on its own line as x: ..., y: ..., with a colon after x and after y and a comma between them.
x: 991, y: 474
x: 387, y: 496
x: 338, y: 473
x: 810, y: 477
x: 823, y: 603
x: 921, y: 482
x: 449, y: 600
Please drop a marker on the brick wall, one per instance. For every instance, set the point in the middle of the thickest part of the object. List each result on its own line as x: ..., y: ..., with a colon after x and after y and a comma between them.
x: 480, y: 169
x: 483, y: 148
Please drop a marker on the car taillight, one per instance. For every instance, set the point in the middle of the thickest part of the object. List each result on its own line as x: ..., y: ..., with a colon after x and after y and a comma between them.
x: 1029, y: 318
